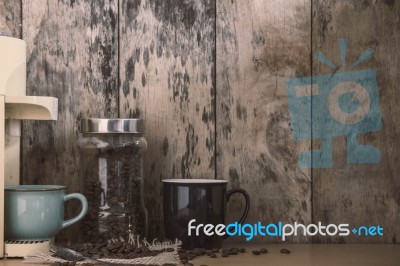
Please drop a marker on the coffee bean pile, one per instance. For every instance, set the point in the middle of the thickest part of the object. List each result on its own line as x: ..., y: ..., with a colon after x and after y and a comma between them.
x: 117, y: 250
x: 113, y: 187
x: 72, y: 263
x: 184, y: 255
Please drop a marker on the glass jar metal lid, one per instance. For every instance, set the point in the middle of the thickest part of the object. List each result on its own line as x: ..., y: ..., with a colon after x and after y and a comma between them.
x: 112, y: 125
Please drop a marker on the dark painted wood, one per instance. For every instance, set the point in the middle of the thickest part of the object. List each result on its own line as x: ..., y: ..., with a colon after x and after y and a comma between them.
x: 260, y: 45
x: 167, y: 78
x: 361, y: 194
x: 72, y: 54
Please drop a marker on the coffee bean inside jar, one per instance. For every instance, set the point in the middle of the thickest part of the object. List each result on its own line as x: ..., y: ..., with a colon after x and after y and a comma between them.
x: 111, y: 153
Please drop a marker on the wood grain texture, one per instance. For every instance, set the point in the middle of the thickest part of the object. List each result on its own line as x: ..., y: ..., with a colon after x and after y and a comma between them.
x: 167, y: 78
x: 260, y: 45
x: 72, y: 55
x: 362, y: 194
x: 10, y: 17
x: 156, y: 60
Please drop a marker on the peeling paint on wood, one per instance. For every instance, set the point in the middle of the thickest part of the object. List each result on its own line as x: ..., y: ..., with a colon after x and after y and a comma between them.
x: 72, y: 55
x: 167, y: 78
x: 260, y: 44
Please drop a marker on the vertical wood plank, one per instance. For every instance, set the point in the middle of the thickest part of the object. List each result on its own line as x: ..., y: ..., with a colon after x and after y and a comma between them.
x: 10, y: 17
x: 365, y: 193
x: 72, y: 54
x: 260, y: 45
x: 167, y: 78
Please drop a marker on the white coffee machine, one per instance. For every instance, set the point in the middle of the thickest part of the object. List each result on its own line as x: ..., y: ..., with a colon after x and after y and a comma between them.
x: 14, y: 107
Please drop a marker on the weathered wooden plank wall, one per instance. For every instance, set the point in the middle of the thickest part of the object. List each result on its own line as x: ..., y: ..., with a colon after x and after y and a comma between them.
x: 10, y: 17
x: 167, y: 78
x: 367, y: 193
x: 72, y: 54
x: 160, y: 60
x: 261, y: 44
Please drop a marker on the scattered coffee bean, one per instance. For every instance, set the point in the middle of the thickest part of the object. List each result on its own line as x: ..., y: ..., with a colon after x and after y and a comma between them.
x: 263, y: 250
x: 285, y: 251
x: 225, y: 250
x: 256, y: 252
x: 234, y: 251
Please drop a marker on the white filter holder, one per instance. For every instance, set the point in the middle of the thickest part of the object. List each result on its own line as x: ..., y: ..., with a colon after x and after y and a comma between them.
x: 31, y: 108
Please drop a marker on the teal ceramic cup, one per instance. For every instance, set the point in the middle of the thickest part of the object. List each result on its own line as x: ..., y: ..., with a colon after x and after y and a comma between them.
x: 36, y: 212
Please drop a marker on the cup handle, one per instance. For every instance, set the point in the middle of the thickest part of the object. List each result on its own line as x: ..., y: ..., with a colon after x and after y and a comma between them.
x: 247, y: 200
x: 84, y: 203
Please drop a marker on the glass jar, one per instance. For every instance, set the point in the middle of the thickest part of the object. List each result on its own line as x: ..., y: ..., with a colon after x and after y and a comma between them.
x: 111, y: 161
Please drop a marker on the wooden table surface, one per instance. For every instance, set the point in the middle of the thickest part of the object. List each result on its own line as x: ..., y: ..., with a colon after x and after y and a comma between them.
x: 301, y: 254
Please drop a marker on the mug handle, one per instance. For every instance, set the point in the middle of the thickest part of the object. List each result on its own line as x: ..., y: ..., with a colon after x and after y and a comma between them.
x: 247, y: 200
x: 84, y: 210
